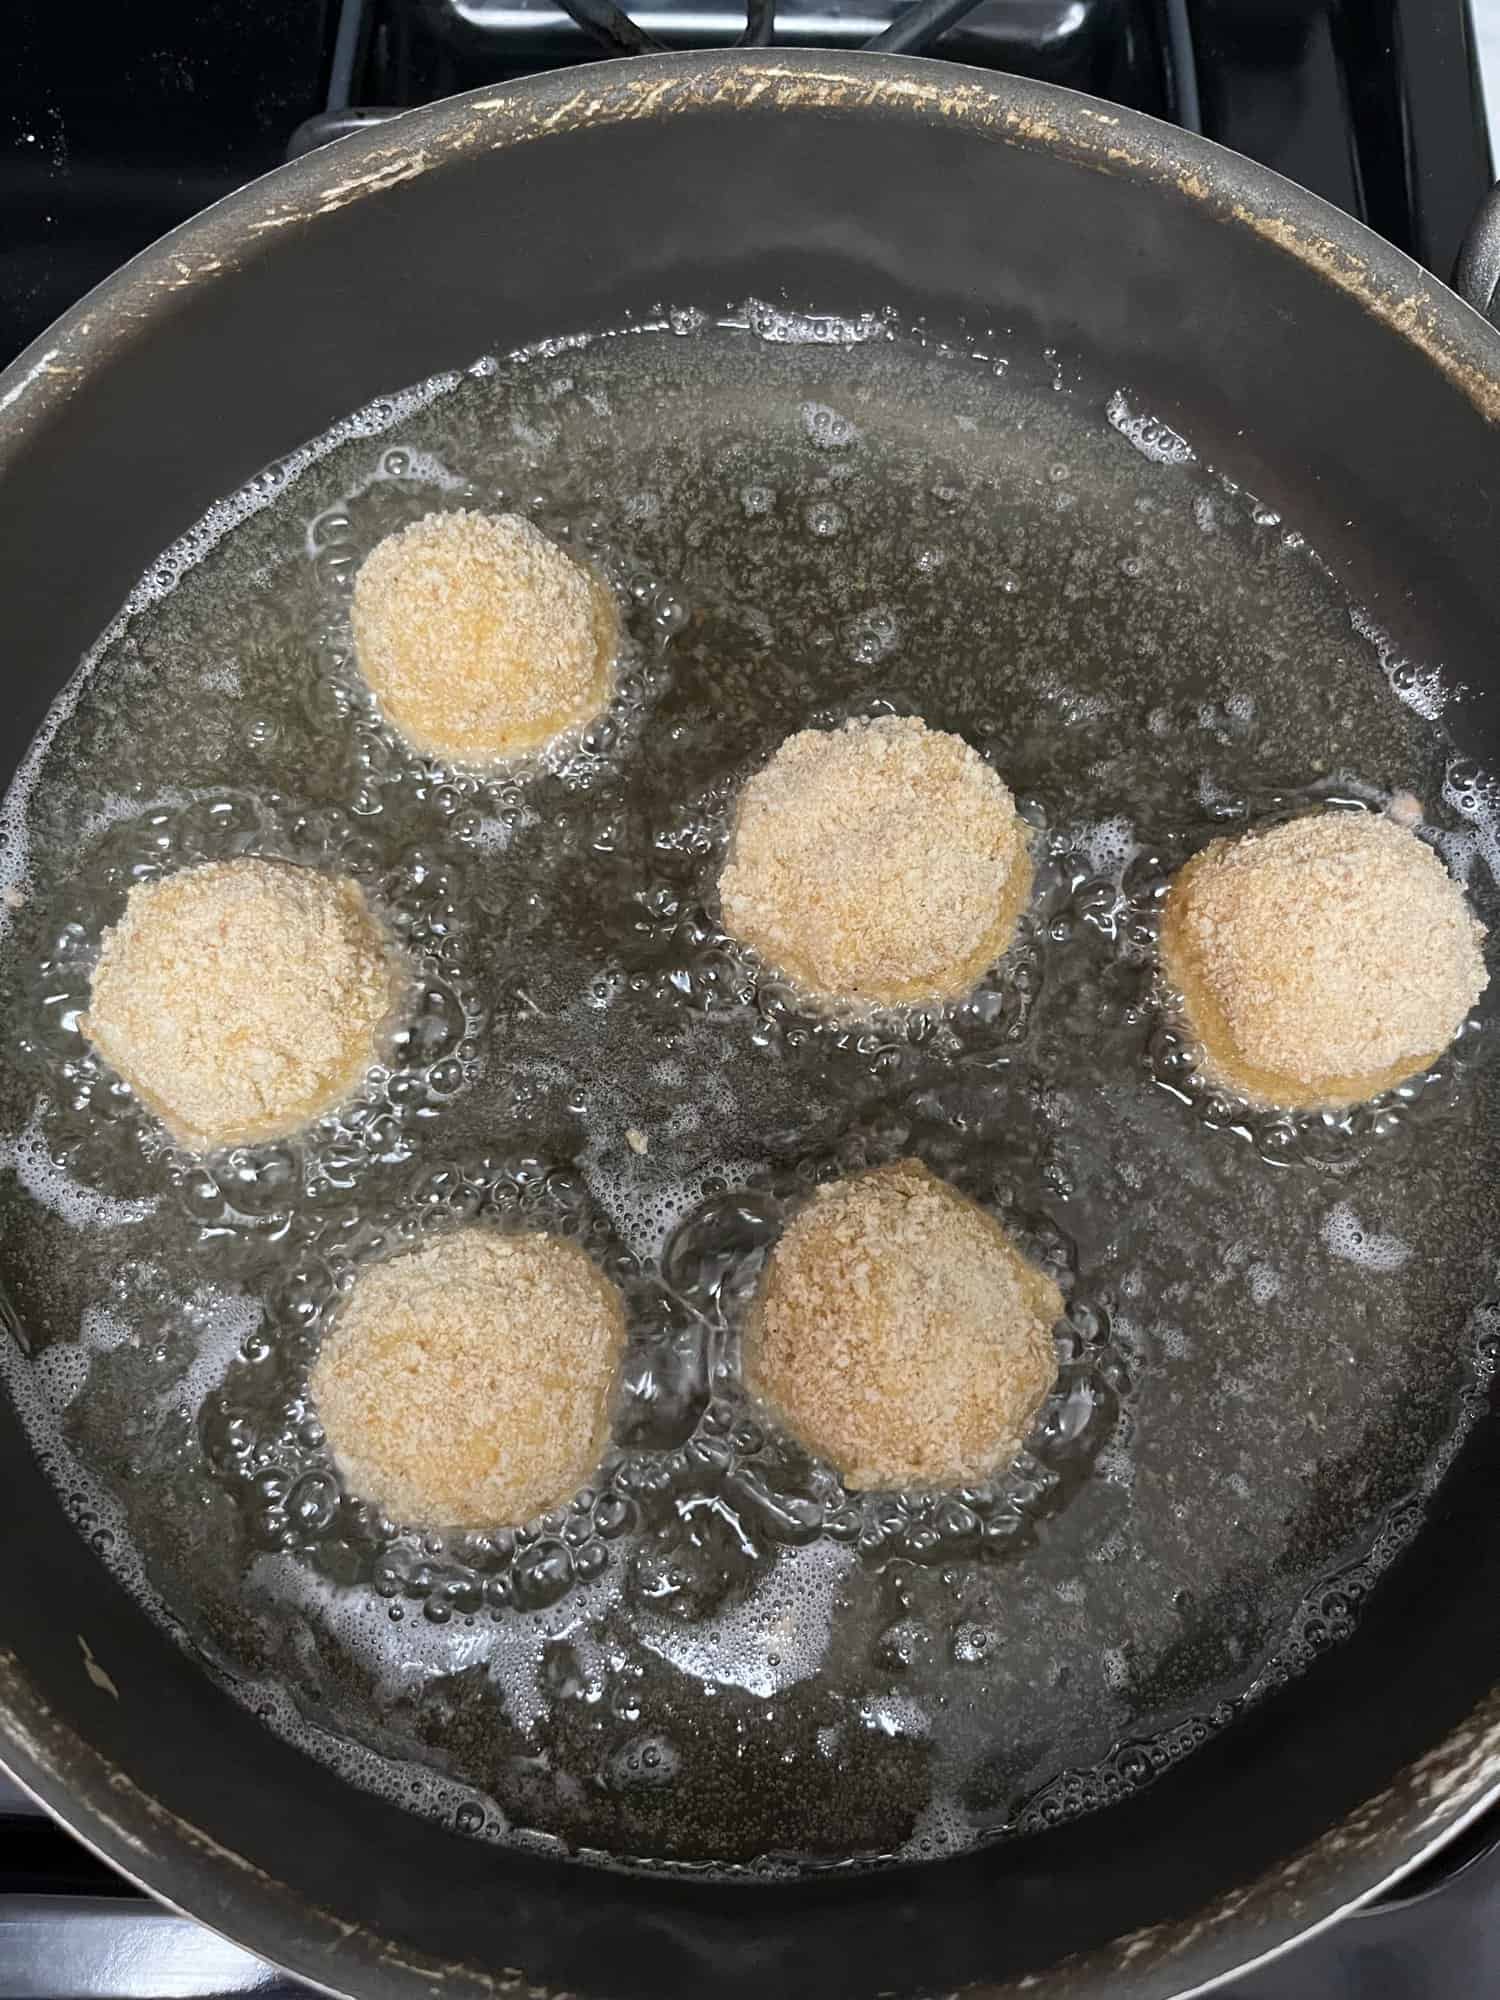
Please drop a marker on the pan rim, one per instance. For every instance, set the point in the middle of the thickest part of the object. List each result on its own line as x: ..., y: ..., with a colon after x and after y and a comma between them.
x: 227, y: 236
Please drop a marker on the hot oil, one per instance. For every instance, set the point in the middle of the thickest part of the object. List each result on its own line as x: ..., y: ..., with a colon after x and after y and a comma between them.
x: 715, y: 1656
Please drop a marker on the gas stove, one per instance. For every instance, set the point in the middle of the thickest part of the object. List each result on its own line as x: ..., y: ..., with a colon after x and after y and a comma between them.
x: 116, y: 125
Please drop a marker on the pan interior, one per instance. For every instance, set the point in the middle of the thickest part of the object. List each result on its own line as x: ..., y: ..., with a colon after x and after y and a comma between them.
x: 715, y: 1657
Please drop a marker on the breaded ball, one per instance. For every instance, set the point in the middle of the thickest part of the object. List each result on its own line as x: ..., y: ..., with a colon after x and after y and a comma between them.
x: 875, y: 864
x: 481, y: 639
x: 467, y: 1384
x: 900, y: 1334
x: 242, y: 999
x: 1320, y: 961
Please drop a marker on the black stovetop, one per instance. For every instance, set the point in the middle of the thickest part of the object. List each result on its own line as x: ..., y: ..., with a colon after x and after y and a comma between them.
x: 118, y: 122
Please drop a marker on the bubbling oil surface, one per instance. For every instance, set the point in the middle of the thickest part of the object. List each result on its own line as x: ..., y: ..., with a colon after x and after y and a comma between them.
x: 716, y: 1657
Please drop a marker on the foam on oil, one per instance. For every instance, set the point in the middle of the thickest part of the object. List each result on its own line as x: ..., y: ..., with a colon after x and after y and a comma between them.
x: 1270, y: 1347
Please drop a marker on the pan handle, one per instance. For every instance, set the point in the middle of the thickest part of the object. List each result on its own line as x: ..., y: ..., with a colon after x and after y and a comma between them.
x: 122, y: 1948
x: 1455, y: 1857
x: 1476, y: 276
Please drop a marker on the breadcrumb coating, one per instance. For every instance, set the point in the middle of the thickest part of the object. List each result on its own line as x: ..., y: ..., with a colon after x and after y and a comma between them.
x: 1321, y: 961
x: 879, y: 863
x: 242, y: 999
x: 481, y: 639
x: 900, y: 1333
x: 467, y: 1384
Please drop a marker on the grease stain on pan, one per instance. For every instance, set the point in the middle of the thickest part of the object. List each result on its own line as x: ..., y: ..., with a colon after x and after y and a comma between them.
x: 1025, y: 115
x: 55, y: 1753
x: 1410, y: 314
x: 402, y: 165
x: 135, y: 1833
x: 46, y: 364
x: 189, y: 274
x: 1464, y: 1769
x: 1447, y: 1785
x: 92, y: 1668
x: 1443, y: 1789
x: 639, y: 96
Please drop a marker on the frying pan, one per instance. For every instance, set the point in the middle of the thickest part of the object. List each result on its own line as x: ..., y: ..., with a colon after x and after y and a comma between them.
x: 1337, y: 378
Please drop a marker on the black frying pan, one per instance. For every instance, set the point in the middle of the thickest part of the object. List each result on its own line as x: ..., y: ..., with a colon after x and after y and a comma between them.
x: 1333, y: 375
